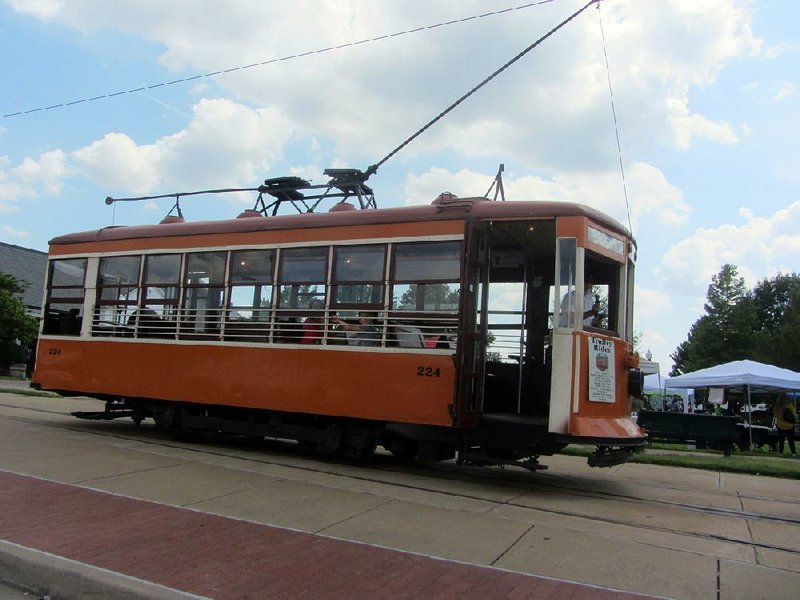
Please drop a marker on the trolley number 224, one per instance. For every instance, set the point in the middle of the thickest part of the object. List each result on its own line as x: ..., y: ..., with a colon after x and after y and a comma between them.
x: 428, y: 372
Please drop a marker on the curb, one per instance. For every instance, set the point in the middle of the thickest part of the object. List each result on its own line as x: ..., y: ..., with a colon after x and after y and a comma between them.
x: 57, y: 577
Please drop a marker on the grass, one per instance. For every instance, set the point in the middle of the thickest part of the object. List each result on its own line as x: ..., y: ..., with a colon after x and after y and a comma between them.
x: 23, y: 391
x: 673, y: 455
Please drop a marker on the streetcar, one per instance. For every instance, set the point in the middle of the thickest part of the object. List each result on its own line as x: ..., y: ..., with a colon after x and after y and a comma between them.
x: 455, y: 330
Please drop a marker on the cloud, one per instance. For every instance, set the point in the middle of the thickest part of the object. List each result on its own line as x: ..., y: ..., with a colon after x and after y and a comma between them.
x: 225, y: 143
x: 10, y: 231
x: 30, y: 178
x: 772, y: 92
x: 650, y: 303
x: 117, y: 162
x: 42, y: 9
x: 650, y: 194
x: 690, y: 126
x: 760, y: 247
x: 775, y: 51
x: 550, y: 110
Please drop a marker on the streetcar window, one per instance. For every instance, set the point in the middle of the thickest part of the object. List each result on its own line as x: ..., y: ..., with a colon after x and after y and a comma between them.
x: 427, y: 261
x: 64, y: 310
x: 117, y: 294
x: 358, y: 275
x: 426, y: 276
x: 204, y: 283
x: 568, y: 305
x: 302, y: 276
x: 425, y: 297
x: 251, y: 285
x: 161, y: 285
x: 602, y: 284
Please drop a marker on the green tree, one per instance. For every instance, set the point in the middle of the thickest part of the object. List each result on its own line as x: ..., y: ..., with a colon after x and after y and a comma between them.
x: 726, y: 332
x: 777, y: 303
x: 437, y: 296
x: 17, y: 328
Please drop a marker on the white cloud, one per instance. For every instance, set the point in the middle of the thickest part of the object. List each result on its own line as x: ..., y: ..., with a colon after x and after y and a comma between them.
x: 772, y: 92
x: 550, y: 110
x: 761, y: 247
x: 426, y: 187
x: 224, y: 144
x: 42, y: 9
x: 785, y: 89
x: 116, y: 161
x: 10, y: 231
x: 651, y: 303
x: 650, y: 194
x: 775, y: 51
x: 688, y: 127
x: 31, y: 178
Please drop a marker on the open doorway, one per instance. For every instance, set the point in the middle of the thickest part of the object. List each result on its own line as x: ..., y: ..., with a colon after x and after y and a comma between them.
x: 514, y: 315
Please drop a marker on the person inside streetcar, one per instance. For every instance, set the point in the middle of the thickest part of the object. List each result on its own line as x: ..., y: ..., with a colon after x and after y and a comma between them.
x: 363, y: 333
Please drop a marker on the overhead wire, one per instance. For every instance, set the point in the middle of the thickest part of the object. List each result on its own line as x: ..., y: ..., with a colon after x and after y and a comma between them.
x: 275, y: 60
x: 373, y: 168
x: 616, y: 124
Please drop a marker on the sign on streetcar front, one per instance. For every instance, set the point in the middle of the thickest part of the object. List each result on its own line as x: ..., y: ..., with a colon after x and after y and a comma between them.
x: 602, y: 380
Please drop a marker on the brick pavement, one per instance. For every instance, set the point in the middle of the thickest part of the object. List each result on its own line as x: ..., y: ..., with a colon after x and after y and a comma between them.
x: 220, y: 557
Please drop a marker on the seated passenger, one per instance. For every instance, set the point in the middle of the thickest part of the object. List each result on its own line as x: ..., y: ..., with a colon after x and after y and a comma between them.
x: 144, y: 321
x: 312, y: 326
x: 363, y: 333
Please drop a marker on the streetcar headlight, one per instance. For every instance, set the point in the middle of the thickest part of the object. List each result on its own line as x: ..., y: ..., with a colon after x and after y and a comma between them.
x: 635, y: 382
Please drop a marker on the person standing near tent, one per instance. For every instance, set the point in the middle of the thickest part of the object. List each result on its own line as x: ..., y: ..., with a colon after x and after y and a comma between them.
x: 785, y: 413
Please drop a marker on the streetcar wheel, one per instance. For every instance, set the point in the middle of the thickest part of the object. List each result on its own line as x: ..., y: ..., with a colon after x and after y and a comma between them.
x: 358, y: 443
x: 403, y: 449
x: 164, y: 415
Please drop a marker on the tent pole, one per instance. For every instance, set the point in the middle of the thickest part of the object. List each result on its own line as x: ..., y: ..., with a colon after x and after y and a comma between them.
x: 750, y: 418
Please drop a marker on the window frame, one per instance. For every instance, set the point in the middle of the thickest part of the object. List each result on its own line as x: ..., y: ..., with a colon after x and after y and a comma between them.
x: 336, y: 282
x: 192, y: 292
x: 117, y: 328
x: 420, y: 309
x: 281, y: 283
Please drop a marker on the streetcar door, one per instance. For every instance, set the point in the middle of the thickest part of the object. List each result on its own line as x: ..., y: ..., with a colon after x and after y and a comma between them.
x: 472, y: 325
x: 515, y: 321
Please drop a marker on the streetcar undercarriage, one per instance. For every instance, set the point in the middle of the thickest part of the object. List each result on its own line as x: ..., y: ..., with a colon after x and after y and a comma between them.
x: 498, y: 440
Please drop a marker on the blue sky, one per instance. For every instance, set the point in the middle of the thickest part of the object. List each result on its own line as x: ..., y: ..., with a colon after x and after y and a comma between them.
x: 706, y: 96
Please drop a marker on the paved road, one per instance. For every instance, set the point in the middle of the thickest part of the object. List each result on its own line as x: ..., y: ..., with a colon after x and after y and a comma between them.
x: 12, y: 593
x: 653, y: 530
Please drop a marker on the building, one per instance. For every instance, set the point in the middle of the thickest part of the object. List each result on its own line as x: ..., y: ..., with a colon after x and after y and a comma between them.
x: 29, y: 266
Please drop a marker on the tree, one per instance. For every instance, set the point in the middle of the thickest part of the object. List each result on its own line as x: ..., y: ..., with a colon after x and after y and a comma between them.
x: 777, y: 303
x: 726, y: 332
x: 773, y: 297
x: 437, y: 296
x: 17, y: 328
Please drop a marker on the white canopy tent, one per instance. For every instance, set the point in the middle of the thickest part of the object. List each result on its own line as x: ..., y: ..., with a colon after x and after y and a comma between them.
x: 748, y: 374
x: 740, y: 373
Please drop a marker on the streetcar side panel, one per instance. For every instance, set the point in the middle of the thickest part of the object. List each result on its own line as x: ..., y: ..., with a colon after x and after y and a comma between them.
x: 396, y: 386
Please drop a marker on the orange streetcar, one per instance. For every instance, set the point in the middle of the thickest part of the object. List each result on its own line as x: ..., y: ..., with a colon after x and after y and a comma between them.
x: 492, y: 332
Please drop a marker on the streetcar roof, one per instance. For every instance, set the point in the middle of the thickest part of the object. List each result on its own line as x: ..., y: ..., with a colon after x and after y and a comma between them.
x: 456, y: 208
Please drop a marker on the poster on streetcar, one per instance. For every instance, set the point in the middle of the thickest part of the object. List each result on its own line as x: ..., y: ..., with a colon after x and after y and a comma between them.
x: 602, y: 381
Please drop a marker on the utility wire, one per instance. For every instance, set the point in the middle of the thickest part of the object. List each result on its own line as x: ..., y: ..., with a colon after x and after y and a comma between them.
x: 373, y: 168
x: 275, y: 60
x: 616, y: 126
